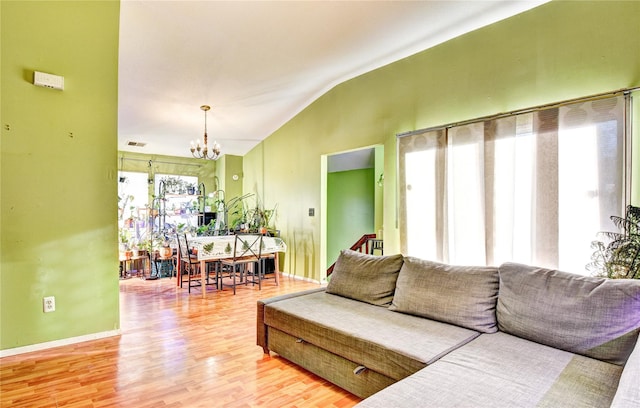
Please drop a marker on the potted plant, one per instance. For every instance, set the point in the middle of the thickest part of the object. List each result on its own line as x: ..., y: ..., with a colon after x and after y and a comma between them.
x: 130, y: 221
x: 122, y: 205
x: 165, y: 250
x: 240, y: 214
x: 135, y: 249
x: 261, y: 219
x: 123, y: 237
x: 620, y: 256
x: 207, y: 230
x: 175, y: 185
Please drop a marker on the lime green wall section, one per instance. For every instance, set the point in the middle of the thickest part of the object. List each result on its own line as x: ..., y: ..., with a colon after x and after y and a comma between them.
x: 58, y: 197
x: 229, y: 166
x: 350, y: 209
x: 378, y: 178
x: 557, y: 51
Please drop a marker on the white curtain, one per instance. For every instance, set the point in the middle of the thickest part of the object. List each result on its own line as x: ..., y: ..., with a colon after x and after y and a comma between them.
x: 533, y: 188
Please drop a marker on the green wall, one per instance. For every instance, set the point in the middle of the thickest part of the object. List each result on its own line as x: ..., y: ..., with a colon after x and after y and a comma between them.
x: 350, y: 209
x: 378, y: 171
x: 557, y: 51
x: 58, y: 174
x: 229, y: 166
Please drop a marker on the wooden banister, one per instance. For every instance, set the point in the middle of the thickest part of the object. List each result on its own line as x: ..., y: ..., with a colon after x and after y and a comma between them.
x: 363, y: 242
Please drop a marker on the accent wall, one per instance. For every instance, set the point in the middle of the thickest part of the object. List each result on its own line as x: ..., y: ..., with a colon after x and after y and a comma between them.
x: 58, y: 172
x: 558, y: 51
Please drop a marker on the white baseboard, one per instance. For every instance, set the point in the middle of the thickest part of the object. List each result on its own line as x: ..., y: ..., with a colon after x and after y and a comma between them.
x: 302, y: 278
x: 58, y: 343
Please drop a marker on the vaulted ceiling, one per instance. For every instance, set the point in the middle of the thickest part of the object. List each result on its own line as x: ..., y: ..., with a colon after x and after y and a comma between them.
x: 259, y: 63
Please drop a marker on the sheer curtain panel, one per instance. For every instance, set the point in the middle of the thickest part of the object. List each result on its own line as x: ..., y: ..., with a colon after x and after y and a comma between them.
x: 532, y: 187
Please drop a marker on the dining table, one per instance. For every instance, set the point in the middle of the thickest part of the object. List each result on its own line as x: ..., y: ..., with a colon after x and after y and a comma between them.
x: 219, y: 247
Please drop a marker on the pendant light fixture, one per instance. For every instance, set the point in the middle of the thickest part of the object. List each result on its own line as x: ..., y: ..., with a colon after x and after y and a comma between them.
x: 205, y: 151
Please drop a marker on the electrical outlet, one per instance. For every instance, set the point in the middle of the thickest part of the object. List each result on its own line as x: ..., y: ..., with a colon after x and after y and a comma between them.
x: 49, y: 304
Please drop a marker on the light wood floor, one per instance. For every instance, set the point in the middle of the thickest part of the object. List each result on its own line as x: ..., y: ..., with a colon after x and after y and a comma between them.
x: 176, y: 350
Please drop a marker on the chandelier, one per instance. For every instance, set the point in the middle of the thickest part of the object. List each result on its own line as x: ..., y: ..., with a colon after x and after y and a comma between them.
x: 205, y: 152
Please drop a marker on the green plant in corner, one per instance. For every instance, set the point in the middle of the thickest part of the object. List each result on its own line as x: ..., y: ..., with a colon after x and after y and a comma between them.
x: 620, y: 257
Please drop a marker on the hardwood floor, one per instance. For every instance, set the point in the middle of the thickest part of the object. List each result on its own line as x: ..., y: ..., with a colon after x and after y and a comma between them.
x: 176, y: 350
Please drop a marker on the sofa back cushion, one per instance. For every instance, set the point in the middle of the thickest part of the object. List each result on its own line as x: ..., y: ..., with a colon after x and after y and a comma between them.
x: 366, y: 278
x: 462, y: 295
x: 595, y: 317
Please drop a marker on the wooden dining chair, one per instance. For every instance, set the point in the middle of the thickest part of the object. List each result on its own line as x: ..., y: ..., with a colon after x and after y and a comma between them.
x: 244, y: 266
x: 189, y: 264
x: 269, y: 267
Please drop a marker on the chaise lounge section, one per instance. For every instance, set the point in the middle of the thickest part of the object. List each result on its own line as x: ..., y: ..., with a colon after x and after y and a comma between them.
x: 401, y: 331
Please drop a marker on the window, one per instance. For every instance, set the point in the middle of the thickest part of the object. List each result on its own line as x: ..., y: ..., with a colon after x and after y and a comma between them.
x: 133, y: 198
x: 133, y: 194
x: 534, y: 187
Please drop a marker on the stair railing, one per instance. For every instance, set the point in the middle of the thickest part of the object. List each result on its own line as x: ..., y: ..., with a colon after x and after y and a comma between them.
x: 362, y: 243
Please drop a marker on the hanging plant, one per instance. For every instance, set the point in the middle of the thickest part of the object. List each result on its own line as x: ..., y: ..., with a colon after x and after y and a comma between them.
x: 620, y: 257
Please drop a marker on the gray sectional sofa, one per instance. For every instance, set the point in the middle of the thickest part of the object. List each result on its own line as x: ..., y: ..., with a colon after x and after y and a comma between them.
x: 404, y: 332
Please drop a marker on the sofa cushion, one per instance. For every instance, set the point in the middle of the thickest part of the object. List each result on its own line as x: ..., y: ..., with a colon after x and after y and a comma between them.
x: 595, y: 317
x: 366, y: 278
x: 393, y: 344
x: 628, y: 393
x: 500, y: 370
x: 462, y: 295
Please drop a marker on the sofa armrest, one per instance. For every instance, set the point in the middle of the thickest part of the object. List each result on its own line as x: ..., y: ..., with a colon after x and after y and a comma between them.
x: 261, y: 332
x: 628, y: 393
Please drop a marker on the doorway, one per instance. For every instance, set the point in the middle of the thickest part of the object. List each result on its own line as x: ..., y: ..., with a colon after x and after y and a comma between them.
x: 352, y: 200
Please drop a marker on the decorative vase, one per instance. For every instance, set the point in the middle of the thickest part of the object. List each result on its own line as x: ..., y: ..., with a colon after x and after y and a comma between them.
x: 166, y: 252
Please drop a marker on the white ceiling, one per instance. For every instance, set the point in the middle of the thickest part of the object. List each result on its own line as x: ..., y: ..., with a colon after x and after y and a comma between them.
x: 259, y: 63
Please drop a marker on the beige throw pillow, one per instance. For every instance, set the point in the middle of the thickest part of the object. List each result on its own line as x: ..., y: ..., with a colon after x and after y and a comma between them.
x: 367, y: 278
